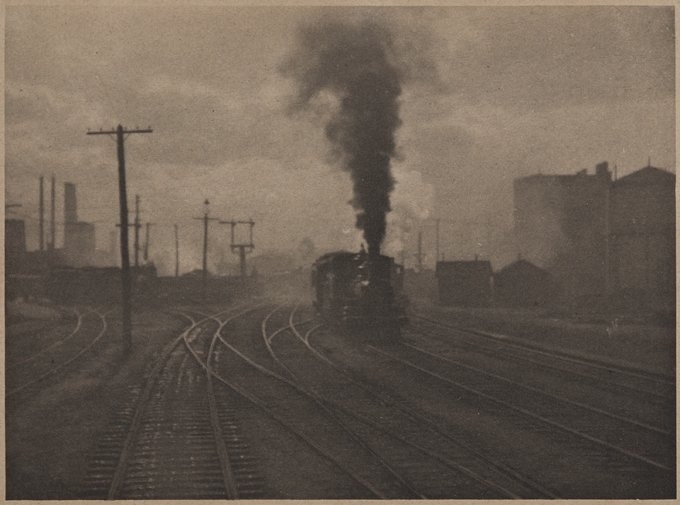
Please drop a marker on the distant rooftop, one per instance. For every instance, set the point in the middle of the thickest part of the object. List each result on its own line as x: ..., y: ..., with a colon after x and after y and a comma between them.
x: 601, y: 171
x: 647, y: 175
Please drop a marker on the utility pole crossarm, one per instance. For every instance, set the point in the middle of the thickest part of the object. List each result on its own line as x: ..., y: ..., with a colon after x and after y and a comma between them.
x: 241, y: 248
x: 113, y: 132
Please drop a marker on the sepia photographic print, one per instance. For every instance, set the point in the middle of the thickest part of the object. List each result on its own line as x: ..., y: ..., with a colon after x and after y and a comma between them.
x: 315, y: 252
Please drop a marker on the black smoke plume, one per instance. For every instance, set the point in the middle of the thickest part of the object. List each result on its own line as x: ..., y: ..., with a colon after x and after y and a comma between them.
x: 353, y: 63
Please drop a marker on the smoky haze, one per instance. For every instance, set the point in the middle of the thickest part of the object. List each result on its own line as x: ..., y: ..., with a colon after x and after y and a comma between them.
x: 353, y: 63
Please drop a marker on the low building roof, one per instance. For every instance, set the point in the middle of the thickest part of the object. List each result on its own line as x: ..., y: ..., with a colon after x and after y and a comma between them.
x: 521, y: 267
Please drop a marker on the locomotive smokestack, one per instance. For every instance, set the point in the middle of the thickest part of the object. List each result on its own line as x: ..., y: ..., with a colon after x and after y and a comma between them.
x: 353, y: 63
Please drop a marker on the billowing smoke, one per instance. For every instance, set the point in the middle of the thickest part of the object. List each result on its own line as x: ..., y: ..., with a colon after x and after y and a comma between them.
x: 352, y: 62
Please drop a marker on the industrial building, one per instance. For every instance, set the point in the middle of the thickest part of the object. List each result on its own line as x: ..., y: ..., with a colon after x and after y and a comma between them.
x: 561, y: 226
x: 642, y: 237
x: 79, y: 237
x: 79, y: 242
x: 15, y: 245
x: 599, y: 237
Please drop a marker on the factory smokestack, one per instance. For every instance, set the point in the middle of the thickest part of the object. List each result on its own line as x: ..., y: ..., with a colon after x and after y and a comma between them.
x: 70, y: 205
x: 353, y: 63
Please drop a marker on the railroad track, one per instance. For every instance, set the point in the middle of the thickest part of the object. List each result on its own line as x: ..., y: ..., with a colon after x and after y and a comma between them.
x: 45, y: 364
x: 639, y: 453
x: 173, y: 440
x: 574, y: 455
x: 631, y: 395
x: 647, y: 445
x: 437, y: 464
x: 632, y: 380
x: 25, y: 338
x: 260, y: 379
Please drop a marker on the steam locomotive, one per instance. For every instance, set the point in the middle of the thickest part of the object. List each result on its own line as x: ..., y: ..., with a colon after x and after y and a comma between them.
x: 360, y: 292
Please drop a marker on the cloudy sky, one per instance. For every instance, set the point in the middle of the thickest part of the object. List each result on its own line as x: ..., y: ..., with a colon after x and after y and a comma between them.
x: 489, y: 94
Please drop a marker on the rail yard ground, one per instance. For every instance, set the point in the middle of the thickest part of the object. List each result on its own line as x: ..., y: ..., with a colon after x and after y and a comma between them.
x: 51, y: 431
x: 629, y: 341
x: 54, y: 427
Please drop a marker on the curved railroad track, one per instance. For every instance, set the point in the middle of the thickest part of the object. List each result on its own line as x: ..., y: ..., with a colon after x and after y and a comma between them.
x: 605, y: 445
x: 437, y: 464
x: 261, y: 380
x: 353, y: 413
x: 46, y: 363
x: 170, y: 441
x: 39, y: 332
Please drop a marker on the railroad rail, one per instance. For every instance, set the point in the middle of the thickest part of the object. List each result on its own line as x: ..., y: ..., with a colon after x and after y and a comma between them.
x: 395, y: 403
x: 418, y: 447
x: 634, y: 379
x: 646, y: 467
x: 621, y: 394
x: 562, y: 419
x: 169, y: 441
x: 300, y: 413
x: 48, y: 362
x: 33, y: 356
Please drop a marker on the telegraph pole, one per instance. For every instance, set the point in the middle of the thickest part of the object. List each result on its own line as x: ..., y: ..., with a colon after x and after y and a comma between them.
x: 42, y: 215
x: 438, y: 251
x: 51, y: 245
x: 205, y: 219
x: 146, y: 242
x: 176, y: 251
x: 137, y: 227
x: 420, y: 255
x: 124, y: 246
x: 437, y: 244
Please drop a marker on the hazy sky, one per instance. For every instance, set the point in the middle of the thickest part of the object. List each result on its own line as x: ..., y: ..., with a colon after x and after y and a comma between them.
x: 489, y: 94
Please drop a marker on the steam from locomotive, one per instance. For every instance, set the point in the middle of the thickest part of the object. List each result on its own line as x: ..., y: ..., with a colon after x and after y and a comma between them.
x: 353, y: 63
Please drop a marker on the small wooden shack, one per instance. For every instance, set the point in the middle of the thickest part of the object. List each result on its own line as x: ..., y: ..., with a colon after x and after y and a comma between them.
x: 523, y: 284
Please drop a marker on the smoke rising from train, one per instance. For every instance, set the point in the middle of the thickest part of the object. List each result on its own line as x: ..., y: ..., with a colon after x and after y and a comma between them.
x: 353, y: 63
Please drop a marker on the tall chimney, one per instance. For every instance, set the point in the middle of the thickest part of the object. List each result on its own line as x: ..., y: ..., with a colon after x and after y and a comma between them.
x: 602, y: 170
x: 70, y: 206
